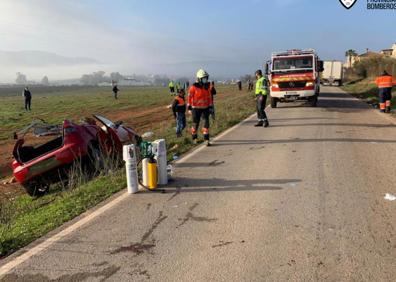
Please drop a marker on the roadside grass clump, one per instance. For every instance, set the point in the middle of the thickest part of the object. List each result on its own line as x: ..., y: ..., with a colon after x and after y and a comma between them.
x: 366, y: 90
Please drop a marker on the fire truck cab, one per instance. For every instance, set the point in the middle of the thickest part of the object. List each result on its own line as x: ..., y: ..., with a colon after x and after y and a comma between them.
x: 293, y: 76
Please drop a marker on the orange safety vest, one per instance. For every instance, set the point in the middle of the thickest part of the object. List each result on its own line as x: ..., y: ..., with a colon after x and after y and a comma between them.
x: 199, y: 97
x: 385, y: 81
x: 180, y: 101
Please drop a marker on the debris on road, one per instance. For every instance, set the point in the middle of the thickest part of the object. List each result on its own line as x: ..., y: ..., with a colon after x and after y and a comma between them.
x: 389, y: 197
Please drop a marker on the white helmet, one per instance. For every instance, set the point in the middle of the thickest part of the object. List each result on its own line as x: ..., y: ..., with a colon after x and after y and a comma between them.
x: 202, y: 73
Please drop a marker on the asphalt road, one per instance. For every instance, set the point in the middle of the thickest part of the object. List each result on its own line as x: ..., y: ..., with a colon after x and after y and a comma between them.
x: 302, y: 200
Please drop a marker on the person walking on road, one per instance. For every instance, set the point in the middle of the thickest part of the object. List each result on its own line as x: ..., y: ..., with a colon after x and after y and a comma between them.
x: 28, y: 98
x: 261, y: 99
x: 171, y: 86
x: 200, y: 103
x: 179, y: 112
x: 115, y: 91
x: 385, y: 83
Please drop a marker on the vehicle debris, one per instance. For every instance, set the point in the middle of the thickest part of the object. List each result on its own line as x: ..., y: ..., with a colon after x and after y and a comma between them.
x: 389, y: 197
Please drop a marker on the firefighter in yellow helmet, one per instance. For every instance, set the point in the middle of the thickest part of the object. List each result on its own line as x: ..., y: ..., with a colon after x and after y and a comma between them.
x: 200, y: 103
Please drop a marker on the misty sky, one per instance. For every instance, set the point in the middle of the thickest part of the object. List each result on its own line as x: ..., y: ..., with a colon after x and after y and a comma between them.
x: 175, y: 37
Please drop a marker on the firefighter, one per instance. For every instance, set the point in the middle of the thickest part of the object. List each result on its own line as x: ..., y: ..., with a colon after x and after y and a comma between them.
x: 261, y: 99
x: 28, y: 98
x: 178, y: 87
x: 179, y: 112
x: 385, y: 83
x: 171, y: 86
x: 200, y: 103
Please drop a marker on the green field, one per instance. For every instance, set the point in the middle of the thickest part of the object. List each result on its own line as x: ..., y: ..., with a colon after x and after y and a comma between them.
x: 58, y: 105
x: 24, y: 219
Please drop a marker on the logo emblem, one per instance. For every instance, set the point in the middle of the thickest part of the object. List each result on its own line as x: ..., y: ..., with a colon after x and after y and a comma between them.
x: 348, y: 3
x: 291, y: 84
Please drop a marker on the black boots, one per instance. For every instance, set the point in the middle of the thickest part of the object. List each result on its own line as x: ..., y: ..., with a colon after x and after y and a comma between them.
x: 264, y: 123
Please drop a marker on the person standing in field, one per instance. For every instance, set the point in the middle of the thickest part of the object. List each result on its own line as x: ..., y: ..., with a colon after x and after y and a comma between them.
x: 28, y: 98
x: 179, y: 112
x: 115, y: 91
x: 385, y: 83
x: 200, y: 104
x: 250, y: 85
x: 178, y: 86
x: 239, y: 83
x: 261, y: 99
x: 171, y: 86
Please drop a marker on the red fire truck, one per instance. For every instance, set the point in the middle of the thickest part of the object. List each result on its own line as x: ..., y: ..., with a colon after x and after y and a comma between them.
x: 294, y: 75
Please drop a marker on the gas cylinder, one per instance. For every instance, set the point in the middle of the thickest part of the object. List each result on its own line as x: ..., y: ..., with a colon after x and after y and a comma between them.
x: 152, y: 175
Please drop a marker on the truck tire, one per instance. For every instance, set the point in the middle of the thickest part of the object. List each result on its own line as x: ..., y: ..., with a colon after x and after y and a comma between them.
x: 36, y: 188
x: 274, y: 102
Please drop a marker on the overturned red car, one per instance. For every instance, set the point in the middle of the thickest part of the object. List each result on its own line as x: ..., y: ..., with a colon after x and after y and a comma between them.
x: 36, y: 167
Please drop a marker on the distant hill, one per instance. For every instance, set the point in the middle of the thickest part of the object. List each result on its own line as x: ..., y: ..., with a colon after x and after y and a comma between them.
x: 41, y: 59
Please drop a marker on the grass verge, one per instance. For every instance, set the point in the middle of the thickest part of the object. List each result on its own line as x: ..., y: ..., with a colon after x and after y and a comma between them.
x: 367, y: 91
x: 26, y: 219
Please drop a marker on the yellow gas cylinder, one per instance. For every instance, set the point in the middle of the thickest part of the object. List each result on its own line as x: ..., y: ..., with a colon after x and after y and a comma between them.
x: 152, y: 174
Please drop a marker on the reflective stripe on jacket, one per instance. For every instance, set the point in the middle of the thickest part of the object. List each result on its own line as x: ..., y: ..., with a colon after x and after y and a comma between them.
x: 199, y: 96
x: 261, y: 86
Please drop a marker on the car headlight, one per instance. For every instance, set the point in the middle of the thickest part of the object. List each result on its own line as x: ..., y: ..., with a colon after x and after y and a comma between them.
x: 275, y: 85
x: 309, y: 84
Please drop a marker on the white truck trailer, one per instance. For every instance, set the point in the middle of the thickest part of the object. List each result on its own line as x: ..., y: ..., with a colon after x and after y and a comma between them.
x: 332, y: 74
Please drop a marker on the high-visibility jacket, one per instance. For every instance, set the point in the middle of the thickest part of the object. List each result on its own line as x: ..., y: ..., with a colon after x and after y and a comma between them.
x: 171, y: 84
x: 199, y: 96
x: 179, y: 105
x: 385, y: 81
x: 262, y: 86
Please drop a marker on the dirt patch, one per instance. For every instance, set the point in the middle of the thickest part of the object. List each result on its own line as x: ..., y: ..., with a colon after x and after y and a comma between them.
x: 10, y: 191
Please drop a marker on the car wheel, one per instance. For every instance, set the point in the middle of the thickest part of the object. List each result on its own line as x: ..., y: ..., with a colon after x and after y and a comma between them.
x: 274, y: 102
x: 36, y: 188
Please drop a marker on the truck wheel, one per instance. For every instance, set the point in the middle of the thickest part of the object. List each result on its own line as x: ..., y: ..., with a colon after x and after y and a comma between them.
x: 274, y: 102
x: 36, y: 188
